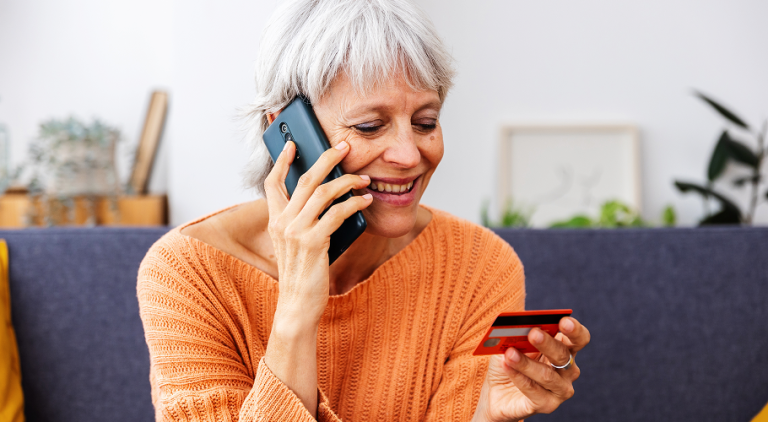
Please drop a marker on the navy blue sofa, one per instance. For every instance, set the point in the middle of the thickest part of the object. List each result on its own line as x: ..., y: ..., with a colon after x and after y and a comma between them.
x: 679, y: 320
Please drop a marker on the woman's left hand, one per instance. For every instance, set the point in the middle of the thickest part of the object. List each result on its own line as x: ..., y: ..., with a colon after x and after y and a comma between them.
x: 518, y: 386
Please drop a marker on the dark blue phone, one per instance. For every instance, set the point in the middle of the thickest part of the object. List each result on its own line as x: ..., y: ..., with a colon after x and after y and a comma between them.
x: 298, y: 123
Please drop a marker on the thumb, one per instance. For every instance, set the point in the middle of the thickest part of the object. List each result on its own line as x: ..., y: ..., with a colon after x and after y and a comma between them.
x: 496, y: 373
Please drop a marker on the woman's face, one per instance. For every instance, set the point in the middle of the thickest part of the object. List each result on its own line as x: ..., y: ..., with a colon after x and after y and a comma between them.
x: 395, y: 138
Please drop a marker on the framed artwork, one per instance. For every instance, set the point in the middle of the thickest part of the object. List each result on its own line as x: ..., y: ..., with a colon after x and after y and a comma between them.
x: 558, y: 171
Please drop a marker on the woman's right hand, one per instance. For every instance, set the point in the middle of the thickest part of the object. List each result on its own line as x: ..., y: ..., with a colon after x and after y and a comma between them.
x: 301, y: 243
x: 299, y: 238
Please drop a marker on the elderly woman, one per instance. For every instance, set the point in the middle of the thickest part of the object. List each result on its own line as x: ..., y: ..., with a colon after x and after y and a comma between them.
x: 245, y: 319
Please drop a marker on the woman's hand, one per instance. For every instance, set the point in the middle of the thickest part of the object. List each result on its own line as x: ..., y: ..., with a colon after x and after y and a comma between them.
x: 518, y: 386
x: 300, y: 240
x: 301, y: 243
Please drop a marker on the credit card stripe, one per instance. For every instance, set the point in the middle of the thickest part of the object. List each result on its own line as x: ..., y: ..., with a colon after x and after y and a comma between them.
x: 510, y: 332
x: 528, y: 320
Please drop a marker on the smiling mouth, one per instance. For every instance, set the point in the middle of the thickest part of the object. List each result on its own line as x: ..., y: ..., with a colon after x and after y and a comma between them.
x: 391, y: 188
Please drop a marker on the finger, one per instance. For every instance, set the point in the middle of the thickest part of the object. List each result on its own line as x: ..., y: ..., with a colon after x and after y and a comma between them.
x: 314, y: 177
x: 336, y: 215
x: 554, y: 350
x: 578, y: 335
x: 326, y: 193
x: 566, y: 341
x: 274, y: 184
x: 540, y: 373
x: 573, y: 372
x: 546, y: 396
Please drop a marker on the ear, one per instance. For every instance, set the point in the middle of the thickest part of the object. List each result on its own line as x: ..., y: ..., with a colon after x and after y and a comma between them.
x: 272, y: 116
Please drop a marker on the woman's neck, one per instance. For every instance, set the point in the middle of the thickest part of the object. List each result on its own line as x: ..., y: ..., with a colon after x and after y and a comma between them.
x: 368, y: 253
x: 360, y: 260
x: 242, y: 233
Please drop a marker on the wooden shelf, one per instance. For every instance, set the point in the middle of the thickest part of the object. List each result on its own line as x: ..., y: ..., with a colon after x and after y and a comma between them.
x: 145, y: 210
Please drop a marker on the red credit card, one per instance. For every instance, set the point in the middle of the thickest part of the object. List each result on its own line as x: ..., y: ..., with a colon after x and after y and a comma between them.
x: 511, y: 330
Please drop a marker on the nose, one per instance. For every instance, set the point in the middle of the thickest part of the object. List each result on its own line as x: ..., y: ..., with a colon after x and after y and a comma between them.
x: 402, y: 149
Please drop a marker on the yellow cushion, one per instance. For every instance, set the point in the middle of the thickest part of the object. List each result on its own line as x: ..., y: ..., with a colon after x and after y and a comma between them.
x: 762, y: 416
x: 11, y: 397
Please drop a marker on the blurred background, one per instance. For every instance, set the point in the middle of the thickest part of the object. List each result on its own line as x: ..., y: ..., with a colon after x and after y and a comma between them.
x: 597, y: 62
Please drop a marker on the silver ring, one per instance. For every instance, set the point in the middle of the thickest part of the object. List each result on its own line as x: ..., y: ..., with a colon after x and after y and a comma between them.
x: 567, y: 365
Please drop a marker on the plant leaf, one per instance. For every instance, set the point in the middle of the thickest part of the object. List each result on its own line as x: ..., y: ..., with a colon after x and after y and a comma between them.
x: 669, y: 217
x: 723, y: 111
x: 742, y: 153
x: 615, y: 214
x: 730, y: 212
x: 514, y: 216
x: 484, y: 214
x: 725, y: 216
x: 719, y: 157
x: 577, y: 222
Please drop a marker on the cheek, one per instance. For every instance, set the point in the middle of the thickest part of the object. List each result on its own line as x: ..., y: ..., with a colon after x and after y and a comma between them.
x: 360, y: 155
x: 434, y: 149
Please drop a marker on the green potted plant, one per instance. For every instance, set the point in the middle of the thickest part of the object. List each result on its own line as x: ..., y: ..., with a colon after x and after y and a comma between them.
x: 730, y: 150
x: 69, y: 160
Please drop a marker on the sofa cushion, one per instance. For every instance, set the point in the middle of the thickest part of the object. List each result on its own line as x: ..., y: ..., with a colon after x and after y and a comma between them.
x: 83, y: 354
x: 678, y: 318
x: 11, y: 395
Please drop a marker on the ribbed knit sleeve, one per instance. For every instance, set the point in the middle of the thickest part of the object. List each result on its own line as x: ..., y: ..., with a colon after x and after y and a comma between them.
x: 272, y: 400
x: 201, y: 368
x: 499, y: 288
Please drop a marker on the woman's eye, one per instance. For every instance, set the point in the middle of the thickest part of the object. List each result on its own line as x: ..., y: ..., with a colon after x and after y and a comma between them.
x: 426, y: 126
x: 367, y: 128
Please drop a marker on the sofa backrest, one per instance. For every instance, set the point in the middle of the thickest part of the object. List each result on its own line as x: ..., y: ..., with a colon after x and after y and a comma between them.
x: 74, y: 308
x: 678, y: 317
x: 678, y: 320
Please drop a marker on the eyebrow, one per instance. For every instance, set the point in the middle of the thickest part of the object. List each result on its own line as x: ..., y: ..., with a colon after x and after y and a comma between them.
x: 437, y: 105
x: 383, y: 106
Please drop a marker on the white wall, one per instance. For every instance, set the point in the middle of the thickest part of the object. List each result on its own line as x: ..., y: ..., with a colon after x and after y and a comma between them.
x: 215, y: 53
x: 595, y: 61
x: 86, y: 58
x: 556, y: 61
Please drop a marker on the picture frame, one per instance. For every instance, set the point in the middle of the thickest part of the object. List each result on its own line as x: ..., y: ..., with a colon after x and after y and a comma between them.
x: 557, y: 171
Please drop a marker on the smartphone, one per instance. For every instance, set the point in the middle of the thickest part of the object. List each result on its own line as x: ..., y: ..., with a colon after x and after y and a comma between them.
x: 510, y: 329
x: 298, y: 123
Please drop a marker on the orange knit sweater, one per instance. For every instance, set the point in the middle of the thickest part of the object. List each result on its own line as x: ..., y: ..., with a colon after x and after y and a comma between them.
x: 397, y: 347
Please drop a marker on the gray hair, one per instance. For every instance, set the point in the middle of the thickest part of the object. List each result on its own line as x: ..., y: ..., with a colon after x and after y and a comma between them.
x: 307, y: 43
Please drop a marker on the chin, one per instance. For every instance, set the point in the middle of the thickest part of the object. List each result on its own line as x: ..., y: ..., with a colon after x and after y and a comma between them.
x: 392, y: 224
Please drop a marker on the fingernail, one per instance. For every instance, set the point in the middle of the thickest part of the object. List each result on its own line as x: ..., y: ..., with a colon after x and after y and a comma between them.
x: 285, y: 146
x: 537, y: 337
x: 365, y: 177
x: 568, y: 325
x: 341, y: 146
x: 514, y: 355
x: 367, y: 196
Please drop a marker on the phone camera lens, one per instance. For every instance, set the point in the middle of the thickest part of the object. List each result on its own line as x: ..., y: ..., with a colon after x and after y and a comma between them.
x: 288, y: 137
x: 284, y: 128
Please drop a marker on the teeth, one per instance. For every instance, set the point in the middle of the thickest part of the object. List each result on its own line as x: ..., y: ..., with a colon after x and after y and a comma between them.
x: 386, y: 187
